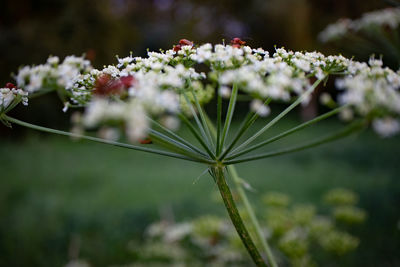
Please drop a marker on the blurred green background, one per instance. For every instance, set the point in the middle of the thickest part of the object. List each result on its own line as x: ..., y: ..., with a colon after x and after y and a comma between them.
x: 54, y: 191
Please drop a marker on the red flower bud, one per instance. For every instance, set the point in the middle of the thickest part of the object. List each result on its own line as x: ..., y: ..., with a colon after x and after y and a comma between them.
x: 185, y: 42
x: 11, y: 86
x: 127, y: 81
x: 181, y: 43
x: 177, y: 48
x: 237, y: 42
x: 107, y: 85
x: 146, y: 141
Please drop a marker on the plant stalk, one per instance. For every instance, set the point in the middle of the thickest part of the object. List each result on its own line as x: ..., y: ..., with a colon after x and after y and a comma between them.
x: 242, y: 194
x: 218, y: 173
x: 252, y: 216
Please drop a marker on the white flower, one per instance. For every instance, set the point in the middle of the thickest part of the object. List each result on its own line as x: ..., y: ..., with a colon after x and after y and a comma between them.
x: 53, y: 60
x: 112, y: 70
x: 334, y: 31
x: 346, y: 114
x: 203, y: 53
x: 124, y: 61
x: 258, y: 107
x: 94, y: 113
x: 8, y: 96
x: 177, y: 232
x: 109, y: 133
x: 375, y: 62
x: 302, y: 64
x: 386, y: 127
x: 225, y: 91
x: 325, y: 98
x: 385, y: 17
x: 137, y: 124
x: 52, y: 75
x: 169, y: 101
x: 389, y: 17
x: 320, y: 75
x: 170, y: 122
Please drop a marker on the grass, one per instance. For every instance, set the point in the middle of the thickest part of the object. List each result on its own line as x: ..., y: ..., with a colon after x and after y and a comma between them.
x: 53, y: 189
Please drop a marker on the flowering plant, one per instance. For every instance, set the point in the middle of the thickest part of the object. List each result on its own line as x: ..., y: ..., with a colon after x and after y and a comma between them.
x: 144, y: 100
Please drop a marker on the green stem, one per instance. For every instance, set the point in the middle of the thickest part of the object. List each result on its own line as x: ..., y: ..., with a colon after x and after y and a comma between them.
x: 218, y: 173
x: 104, y: 141
x: 253, y: 219
x: 239, y: 188
x: 345, y: 132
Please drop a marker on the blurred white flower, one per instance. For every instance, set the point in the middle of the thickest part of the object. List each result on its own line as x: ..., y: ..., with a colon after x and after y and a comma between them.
x: 386, y: 127
x: 258, y: 107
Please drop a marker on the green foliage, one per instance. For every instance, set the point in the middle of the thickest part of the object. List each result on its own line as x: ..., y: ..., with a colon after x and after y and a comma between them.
x: 276, y: 199
x: 207, y: 227
x: 294, y: 243
x: 297, y: 231
x: 338, y: 242
x: 340, y: 196
x: 349, y: 214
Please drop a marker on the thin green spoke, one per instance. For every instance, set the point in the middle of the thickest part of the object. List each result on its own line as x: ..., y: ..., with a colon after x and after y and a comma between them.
x: 347, y: 131
x: 229, y: 115
x: 179, y: 138
x: 203, y: 119
x: 286, y: 133
x: 250, y: 119
x: 174, y: 144
x: 219, y: 123
x: 196, y: 118
x: 196, y: 135
x: 280, y: 116
x: 104, y: 141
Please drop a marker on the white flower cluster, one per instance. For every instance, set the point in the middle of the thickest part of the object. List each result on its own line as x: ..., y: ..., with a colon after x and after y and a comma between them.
x: 222, y: 57
x: 163, y: 80
x: 10, y: 97
x: 131, y: 115
x: 126, y: 95
x: 138, y: 88
x: 52, y: 75
x: 372, y: 92
x: 389, y: 17
x: 281, y: 76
